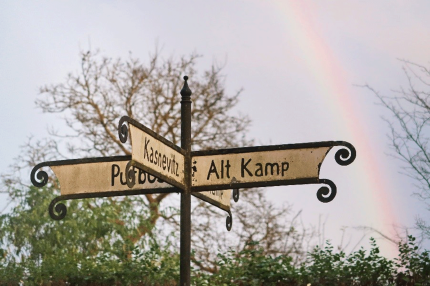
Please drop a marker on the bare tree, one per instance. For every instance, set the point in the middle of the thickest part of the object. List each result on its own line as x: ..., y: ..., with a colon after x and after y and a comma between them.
x: 409, y: 129
x: 93, y: 99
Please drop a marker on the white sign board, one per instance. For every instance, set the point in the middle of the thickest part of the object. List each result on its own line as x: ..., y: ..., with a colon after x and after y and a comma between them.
x: 102, y: 177
x: 106, y: 175
x: 156, y: 156
x: 248, y: 168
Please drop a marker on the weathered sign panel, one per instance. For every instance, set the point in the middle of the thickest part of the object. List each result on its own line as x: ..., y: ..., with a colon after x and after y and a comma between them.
x: 103, y: 177
x: 259, y: 166
x: 219, y: 198
x: 106, y: 176
x: 98, y: 177
x: 156, y: 155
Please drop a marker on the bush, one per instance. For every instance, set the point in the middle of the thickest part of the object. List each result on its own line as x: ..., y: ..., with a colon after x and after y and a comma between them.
x: 88, y: 250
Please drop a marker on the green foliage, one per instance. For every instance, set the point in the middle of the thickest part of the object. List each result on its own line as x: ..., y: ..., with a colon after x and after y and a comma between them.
x: 251, y: 267
x: 414, y: 267
x: 323, y: 267
x: 326, y: 267
x: 91, y: 246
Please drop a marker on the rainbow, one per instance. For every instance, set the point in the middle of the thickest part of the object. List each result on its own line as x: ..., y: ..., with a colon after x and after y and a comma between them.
x: 329, y: 75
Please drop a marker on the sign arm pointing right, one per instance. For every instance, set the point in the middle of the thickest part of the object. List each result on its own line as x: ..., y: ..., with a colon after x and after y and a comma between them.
x: 262, y: 166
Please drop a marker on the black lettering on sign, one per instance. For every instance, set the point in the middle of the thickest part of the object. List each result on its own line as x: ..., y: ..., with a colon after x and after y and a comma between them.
x: 223, y: 170
x: 264, y: 169
x: 227, y: 167
x: 243, y: 168
x: 145, y: 152
x: 212, y: 169
x: 169, y: 163
x: 259, y: 171
x: 156, y: 157
x: 121, y: 181
x: 272, y: 166
x: 151, y: 179
x: 159, y: 159
x: 115, y: 173
x: 142, y: 177
x: 173, y: 165
x: 151, y: 157
x: 285, y: 167
x: 217, y: 193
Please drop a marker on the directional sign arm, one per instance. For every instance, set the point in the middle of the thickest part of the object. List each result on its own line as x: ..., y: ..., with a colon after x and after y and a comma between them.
x: 153, y: 153
x: 94, y: 178
x: 108, y: 177
x: 262, y: 166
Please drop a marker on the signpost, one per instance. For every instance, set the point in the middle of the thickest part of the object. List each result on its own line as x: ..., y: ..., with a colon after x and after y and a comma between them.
x: 159, y: 166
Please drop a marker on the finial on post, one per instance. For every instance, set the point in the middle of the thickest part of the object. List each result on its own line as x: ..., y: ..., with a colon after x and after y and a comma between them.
x: 186, y: 91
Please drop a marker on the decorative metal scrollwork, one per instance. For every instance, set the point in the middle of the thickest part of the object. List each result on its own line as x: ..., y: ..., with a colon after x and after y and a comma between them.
x: 130, y: 175
x: 345, y: 156
x: 60, y: 209
x: 41, y: 178
x: 325, y: 194
x: 229, y: 221
x: 123, y: 130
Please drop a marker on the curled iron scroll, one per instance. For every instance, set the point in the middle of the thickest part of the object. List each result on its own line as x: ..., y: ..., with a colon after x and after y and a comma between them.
x: 229, y: 221
x: 41, y: 178
x: 346, y: 155
x: 325, y: 194
x: 130, y: 175
x: 123, y: 129
x: 60, y: 209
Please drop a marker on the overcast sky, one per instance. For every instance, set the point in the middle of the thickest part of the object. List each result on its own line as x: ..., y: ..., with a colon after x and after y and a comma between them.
x: 299, y: 63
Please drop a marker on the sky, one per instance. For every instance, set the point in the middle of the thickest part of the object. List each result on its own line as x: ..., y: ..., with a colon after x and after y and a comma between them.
x: 300, y: 64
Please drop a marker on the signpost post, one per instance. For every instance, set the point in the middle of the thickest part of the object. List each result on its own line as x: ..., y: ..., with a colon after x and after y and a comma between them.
x: 159, y: 166
x: 185, y: 255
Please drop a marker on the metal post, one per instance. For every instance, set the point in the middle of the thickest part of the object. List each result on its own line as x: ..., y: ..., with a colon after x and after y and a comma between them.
x: 185, y: 236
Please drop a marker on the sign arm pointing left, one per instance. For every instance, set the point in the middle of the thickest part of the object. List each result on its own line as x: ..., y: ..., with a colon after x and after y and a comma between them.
x: 107, y: 177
